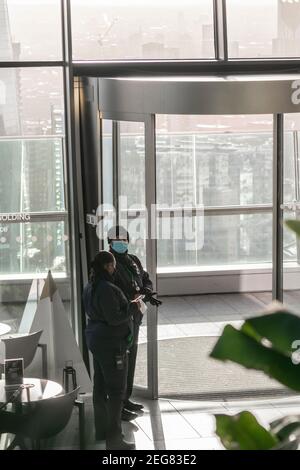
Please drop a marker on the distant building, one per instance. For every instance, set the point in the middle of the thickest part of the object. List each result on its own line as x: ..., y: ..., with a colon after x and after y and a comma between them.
x: 153, y: 50
x: 287, y: 43
x: 33, y: 168
x: 10, y: 122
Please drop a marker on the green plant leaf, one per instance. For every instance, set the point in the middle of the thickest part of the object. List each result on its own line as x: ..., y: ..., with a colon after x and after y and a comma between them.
x: 243, y: 432
x: 238, y: 346
x: 294, y: 225
x: 281, y: 329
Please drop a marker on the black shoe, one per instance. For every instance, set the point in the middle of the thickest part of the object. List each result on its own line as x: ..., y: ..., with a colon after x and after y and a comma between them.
x: 120, y: 445
x: 128, y: 415
x: 132, y: 406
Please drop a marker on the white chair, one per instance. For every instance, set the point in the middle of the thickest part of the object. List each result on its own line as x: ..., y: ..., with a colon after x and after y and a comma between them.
x: 25, y: 346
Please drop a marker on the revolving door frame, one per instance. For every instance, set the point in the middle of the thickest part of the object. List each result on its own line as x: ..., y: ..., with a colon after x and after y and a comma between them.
x: 152, y: 98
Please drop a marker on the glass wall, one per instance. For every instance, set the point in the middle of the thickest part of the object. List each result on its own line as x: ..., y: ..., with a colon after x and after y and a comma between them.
x: 21, y: 39
x: 131, y: 184
x: 291, y: 244
x: 33, y: 214
x: 147, y: 29
x: 166, y: 29
x: 220, y: 166
x: 263, y: 28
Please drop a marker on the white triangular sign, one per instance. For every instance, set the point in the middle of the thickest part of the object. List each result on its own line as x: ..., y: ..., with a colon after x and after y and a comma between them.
x: 58, y: 335
x: 31, y: 305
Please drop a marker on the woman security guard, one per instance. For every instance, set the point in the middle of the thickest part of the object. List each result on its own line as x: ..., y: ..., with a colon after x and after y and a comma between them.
x: 133, y: 280
x: 108, y: 335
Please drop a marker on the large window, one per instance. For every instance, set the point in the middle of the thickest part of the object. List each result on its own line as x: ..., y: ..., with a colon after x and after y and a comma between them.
x: 32, y: 176
x: 33, y: 248
x: 33, y: 214
x: 147, y: 29
x: 30, y: 30
x: 32, y: 169
x: 31, y: 101
x: 32, y: 191
x: 220, y: 166
x: 263, y: 28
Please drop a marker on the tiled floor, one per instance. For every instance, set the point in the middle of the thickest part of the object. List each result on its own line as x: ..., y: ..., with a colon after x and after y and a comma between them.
x: 205, y: 315
x: 183, y: 425
x: 177, y: 424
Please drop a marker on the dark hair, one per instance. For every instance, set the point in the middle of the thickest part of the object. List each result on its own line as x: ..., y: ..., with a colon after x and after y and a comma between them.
x: 117, y: 231
x: 97, y: 266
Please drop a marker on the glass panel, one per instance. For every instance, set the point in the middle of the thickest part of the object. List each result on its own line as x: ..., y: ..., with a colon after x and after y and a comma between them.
x: 20, y: 39
x: 291, y: 244
x: 132, y: 182
x: 32, y: 180
x: 27, y: 252
x: 132, y: 188
x: 107, y: 156
x: 214, y: 169
x: 216, y: 161
x: 107, y: 181
x: 32, y: 177
x: 31, y: 102
x: 221, y: 168
x: 251, y: 35
x: 33, y: 247
x: 220, y: 241
x: 156, y: 29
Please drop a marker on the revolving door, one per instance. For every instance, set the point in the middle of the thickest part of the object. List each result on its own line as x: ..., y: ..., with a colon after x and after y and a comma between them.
x: 225, y: 151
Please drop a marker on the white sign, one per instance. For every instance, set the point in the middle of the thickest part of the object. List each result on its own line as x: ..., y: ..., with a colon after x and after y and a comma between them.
x: 20, y: 217
x: 296, y: 94
x: 91, y: 219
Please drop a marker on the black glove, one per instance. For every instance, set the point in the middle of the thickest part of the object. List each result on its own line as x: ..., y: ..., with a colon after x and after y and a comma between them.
x: 147, y: 293
x: 154, y: 301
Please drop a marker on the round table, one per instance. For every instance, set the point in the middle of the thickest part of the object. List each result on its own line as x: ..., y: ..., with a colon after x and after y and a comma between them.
x: 40, y: 389
x: 4, y: 329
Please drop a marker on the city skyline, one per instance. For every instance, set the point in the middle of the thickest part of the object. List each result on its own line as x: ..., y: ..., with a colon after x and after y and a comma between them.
x: 222, y: 154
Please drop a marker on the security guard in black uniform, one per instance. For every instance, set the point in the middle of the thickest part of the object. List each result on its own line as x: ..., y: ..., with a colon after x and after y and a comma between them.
x: 134, y: 281
x: 109, y: 335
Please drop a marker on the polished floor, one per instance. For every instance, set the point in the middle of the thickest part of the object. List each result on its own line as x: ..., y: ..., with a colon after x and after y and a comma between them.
x: 206, y: 315
x: 190, y: 424
x: 188, y: 328
x: 176, y: 423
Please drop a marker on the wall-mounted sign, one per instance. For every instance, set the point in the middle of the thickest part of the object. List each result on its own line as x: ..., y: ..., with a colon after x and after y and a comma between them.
x: 296, y: 93
x: 15, y: 217
x: 91, y: 219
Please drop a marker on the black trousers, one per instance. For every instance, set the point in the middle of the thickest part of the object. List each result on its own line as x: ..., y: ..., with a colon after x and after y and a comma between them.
x: 132, y: 361
x: 109, y: 385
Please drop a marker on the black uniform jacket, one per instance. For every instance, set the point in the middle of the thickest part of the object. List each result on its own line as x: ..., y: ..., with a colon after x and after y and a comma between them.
x: 108, y: 309
x: 132, y: 279
x: 130, y: 276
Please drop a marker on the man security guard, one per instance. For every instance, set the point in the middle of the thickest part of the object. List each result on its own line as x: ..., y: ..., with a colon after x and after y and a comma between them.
x: 134, y: 281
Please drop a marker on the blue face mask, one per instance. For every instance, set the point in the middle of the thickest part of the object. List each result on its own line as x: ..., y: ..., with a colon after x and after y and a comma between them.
x: 119, y: 246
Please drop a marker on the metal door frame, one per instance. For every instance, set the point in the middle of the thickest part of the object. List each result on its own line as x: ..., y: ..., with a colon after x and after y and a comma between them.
x: 193, y: 97
x: 151, y: 391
